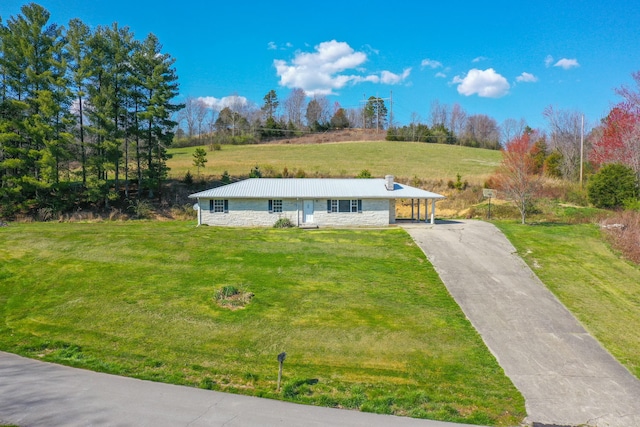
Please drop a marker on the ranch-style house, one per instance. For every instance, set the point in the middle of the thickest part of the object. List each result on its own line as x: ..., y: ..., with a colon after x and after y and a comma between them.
x: 309, y: 202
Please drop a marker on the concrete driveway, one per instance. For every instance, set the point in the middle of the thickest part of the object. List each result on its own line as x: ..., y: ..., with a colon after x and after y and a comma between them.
x: 564, y: 374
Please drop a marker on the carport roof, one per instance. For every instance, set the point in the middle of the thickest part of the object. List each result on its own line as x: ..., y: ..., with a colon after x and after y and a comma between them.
x: 314, y: 188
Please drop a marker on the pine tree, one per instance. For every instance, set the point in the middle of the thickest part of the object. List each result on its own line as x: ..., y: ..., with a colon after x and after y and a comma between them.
x: 158, y: 80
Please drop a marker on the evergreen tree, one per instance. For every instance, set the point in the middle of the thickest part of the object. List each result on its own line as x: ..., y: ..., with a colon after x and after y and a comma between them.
x: 375, y: 113
x: 158, y: 80
x: 270, y: 104
x: 199, y: 158
x: 84, y: 96
x: 78, y: 59
x: 33, y: 107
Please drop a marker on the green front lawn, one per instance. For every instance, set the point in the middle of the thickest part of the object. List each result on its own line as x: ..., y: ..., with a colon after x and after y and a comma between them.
x: 599, y: 287
x: 364, y: 318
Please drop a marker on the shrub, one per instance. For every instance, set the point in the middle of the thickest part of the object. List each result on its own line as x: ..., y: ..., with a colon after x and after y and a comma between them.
x: 283, y: 223
x: 142, y: 209
x: 459, y: 184
x: 552, y: 165
x: 623, y: 230
x: 188, y: 178
x: 632, y: 205
x: 612, y: 186
x: 364, y: 173
x: 255, y: 172
x: 225, y: 178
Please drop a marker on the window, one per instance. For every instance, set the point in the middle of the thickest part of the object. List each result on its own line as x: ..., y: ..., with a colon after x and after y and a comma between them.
x: 344, y: 206
x: 218, y: 206
x: 275, y: 206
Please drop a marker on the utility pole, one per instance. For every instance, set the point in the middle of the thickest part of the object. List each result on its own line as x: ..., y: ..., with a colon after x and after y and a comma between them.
x: 581, y: 148
x: 390, y: 108
x: 378, y: 100
x: 377, y: 113
x: 364, y: 106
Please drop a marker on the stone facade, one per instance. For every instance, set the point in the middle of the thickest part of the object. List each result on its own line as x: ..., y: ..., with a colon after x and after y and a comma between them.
x: 255, y: 213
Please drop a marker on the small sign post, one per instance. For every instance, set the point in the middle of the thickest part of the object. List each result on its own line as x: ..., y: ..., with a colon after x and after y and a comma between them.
x: 488, y: 192
x: 281, y: 358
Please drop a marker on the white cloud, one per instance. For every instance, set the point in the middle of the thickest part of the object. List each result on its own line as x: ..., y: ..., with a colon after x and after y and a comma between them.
x: 331, y: 66
x: 390, y: 78
x: 431, y: 63
x: 566, y: 64
x: 548, y: 61
x: 486, y: 84
x: 274, y: 46
x: 479, y: 58
x: 526, y: 78
x: 441, y: 75
x: 227, y: 101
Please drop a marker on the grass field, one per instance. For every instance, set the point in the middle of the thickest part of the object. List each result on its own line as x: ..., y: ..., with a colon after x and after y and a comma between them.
x: 364, y: 318
x: 600, y: 288
x: 402, y: 159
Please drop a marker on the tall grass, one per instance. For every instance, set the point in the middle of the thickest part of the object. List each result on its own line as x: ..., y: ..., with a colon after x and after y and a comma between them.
x: 364, y: 319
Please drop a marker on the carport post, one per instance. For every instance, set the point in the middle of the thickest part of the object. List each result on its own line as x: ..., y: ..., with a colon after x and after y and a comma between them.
x: 426, y: 210
x: 433, y: 211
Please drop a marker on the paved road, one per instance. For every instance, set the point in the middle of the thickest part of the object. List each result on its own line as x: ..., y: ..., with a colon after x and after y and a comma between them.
x: 564, y: 374
x: 34, y: 393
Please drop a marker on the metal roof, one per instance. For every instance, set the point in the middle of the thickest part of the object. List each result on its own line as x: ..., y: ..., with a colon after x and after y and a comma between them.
x: 314, y: 188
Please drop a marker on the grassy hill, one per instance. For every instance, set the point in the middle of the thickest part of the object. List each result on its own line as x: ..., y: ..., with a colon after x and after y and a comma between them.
x: 344, y: 159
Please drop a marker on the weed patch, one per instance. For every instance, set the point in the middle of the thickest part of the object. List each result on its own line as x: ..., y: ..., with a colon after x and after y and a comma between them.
x: 232, y: 297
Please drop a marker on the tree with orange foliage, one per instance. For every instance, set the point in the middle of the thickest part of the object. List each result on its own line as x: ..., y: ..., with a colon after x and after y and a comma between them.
x: 619, y: 139
x: 516, y: 176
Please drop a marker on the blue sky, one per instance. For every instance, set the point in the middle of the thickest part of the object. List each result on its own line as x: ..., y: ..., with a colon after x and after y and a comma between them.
x: 503, y: 59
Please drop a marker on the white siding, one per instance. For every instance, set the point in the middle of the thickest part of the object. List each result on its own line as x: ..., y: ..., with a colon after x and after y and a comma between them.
x: 255, y: 213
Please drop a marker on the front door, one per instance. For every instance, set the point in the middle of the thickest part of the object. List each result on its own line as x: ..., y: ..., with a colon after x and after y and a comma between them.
x: 308, y: 212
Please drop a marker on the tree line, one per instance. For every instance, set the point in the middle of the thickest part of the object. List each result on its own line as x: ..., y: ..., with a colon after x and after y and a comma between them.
x: 240, y: 121
x: 86, y: 114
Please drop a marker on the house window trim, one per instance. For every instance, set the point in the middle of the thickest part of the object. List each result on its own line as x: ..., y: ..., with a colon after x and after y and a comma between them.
x: 218, y: 206
x: 354, y: 205
x: 275, y: 206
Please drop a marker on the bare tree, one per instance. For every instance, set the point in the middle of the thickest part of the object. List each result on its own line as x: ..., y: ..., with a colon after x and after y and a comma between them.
x: 482, y: 131
x: 237, y: 105
x: 439, y: 114
x: 188, y: 115
x: 200, y: 111
x: 457, y: 120
x: 565, y: 127
x: 355, y: 117
x: 211, y: 122
x: 512, y: 128
x: 415, y: 121
x: 294, y: 105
